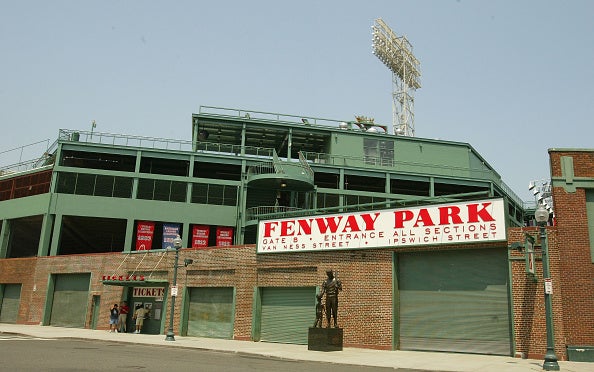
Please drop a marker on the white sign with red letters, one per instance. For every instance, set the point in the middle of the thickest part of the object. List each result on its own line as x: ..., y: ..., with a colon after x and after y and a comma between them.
x: 455, y: 223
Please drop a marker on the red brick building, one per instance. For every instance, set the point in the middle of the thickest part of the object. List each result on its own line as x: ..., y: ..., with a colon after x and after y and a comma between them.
x: 571, y: 253
x: 70, y: 239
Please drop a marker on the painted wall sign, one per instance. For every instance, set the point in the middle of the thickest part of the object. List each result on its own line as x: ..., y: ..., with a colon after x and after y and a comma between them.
x: 148, y: 292
x: 455, y: 223
x: 121, y: 278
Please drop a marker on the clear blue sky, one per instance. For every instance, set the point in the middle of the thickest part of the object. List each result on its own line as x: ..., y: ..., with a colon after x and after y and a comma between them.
x: 512, y: 78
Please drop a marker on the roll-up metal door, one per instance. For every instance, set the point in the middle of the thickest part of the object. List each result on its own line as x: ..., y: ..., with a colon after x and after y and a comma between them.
x: 210, y: 312
x: 69, y: 305
x: 11, y: 298
x: 287, y: 314
x: 455, y: 301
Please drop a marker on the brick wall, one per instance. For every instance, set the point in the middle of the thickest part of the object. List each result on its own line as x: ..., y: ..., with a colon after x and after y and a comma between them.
x: 365, y: 304
x: 575, y: 261
x: 528, y: 297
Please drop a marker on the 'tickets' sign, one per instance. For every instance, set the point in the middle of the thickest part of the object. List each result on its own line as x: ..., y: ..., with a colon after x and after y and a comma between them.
x: 144, y: 235
x: 467, y: 222
x: 200, y: 235
x: 224, y: 236
x: 148, y: 292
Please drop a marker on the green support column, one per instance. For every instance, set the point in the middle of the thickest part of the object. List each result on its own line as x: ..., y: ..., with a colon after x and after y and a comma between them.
x: 57, y: 233
x: 190, y: 184
x: 46, y: 234
x: 186, y: 234
x: 341, y: 187
x: 243, y: 131
x: 241, y: 205
x: 4, y: 234
x: 387, y: 188
x: 129, y: 234
x: 290, y: 144
x: 136, y: 174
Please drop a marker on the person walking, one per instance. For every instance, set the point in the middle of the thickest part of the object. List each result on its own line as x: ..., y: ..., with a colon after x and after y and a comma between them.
x: 113, y: 318
x: 139, y: 315
x: 124, y: 310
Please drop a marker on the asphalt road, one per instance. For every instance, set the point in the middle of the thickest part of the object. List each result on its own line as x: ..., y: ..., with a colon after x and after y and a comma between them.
x: 23, y: 353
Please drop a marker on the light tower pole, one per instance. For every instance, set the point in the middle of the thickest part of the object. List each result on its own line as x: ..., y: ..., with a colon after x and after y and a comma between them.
x: 396, y: 53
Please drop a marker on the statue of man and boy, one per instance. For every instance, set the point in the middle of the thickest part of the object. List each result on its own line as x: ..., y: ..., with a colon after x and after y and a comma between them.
x: 330, y: 287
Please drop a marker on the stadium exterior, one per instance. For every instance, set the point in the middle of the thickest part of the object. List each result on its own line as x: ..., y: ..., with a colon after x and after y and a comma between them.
x: 92, y: 223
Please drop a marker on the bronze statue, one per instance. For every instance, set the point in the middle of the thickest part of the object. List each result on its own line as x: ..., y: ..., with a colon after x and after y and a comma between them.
x: 319, y: 312
x: 330, y: 287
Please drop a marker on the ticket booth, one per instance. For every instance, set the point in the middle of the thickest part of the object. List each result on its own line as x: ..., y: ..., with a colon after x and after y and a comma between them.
x: 151, y: 299
x: 139, y: 291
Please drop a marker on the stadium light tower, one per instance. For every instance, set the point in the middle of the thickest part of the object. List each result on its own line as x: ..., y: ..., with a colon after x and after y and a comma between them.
x: 396, y: 53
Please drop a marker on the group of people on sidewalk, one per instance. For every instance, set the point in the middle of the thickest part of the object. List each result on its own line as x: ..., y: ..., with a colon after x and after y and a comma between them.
x: 118, y: 317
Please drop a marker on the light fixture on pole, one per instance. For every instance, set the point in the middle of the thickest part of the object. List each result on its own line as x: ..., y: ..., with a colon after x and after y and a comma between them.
x: 396, y: 53
x: 550, y: 359
x: 177, y: 243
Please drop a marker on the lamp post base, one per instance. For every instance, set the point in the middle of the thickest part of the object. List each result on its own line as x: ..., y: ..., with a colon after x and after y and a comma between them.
x: 550, y: 362
x: 550, y: 366
x: 170, y: 337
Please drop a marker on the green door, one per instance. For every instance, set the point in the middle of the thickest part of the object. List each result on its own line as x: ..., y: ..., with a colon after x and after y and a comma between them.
x: 455, y: 301
x: 9, y: 303
x: 210, y: 312
x: 69, y: 305
x: 96, y: 307
x: 287, y: 314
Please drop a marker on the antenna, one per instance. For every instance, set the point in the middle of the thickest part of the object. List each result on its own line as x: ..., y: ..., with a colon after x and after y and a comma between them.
x: 396, y: 53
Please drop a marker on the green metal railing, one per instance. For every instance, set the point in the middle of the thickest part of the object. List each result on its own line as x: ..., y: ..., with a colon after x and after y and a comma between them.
x: 274, y: 212
x: 266, y: 116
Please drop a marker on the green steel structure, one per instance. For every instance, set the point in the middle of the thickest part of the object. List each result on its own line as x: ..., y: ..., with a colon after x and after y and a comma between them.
x: 90, y: 190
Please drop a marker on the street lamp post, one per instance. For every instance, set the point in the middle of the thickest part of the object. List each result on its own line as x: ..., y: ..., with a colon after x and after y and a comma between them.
x: 177, y: 243
x: 550, y: 360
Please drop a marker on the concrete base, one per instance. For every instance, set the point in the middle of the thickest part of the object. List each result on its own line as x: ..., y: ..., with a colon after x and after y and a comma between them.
x: 324, y: 339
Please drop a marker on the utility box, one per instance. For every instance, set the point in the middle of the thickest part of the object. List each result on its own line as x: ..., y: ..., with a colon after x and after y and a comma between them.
x: 580, y: 353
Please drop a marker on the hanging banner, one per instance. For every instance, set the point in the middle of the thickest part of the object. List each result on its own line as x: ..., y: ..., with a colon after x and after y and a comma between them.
x: 170, y: 231
x: 200, y: 235
x: 224, y: 236
x: 144, y: 235
x: 454, y: 223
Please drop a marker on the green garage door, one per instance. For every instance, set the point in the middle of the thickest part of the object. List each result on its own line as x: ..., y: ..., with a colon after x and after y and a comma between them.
x: 455, y: 301
x: 210, y: 312
x: 71, y: 297
x: 287, y: 314
x: 11, y: 298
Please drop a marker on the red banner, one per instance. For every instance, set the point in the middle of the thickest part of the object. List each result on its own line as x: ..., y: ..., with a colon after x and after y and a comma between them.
x: 200, y: 234
x: 144, y: 235
x: 224, y: 236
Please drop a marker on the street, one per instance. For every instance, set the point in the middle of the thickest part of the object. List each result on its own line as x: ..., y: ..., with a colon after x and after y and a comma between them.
x: 24, y: 353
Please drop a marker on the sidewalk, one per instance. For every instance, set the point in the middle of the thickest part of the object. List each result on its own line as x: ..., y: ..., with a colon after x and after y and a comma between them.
x: 368, y: 357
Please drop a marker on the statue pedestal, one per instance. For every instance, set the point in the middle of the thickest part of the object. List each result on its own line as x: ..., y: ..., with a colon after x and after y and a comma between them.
x: 324, y: 339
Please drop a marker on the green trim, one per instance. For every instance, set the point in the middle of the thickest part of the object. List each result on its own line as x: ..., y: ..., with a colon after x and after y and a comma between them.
x: 1, y: 295
x: 49, y: 300
x: 395, y: 304
x: 512, y: 314
x: 590, y: 220
x: 233, y: 306
x: 256, y: 314
x: 183, y: 315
